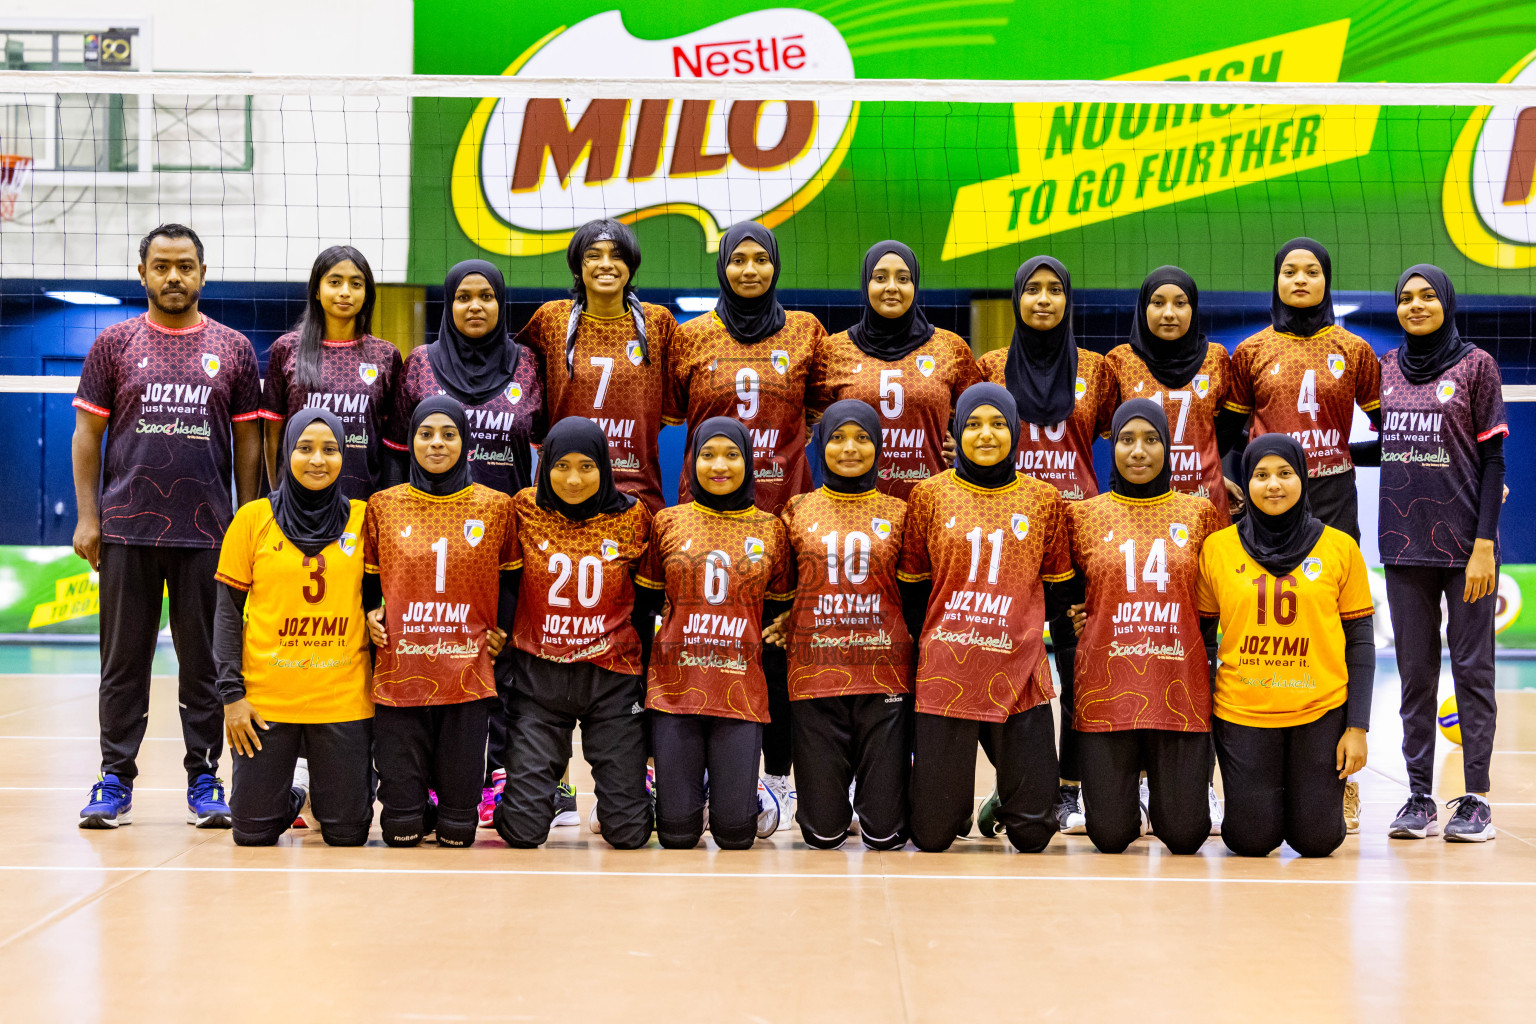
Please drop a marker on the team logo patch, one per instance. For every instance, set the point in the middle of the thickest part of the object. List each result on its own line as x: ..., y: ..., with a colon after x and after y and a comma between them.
x: 1202, y: 384
x: 514, y: 392
x: 1020, y: 524
x: 474, y: 532
x: 1445, y: 390
x: 1178, y: 533
x: 880, y: 528
x: 1335, y: 365
x: 369, y: 372
x: 610, y: 550
x: 1312, y: 568
x: 1079, y: 389
x: 632, y: 349
x: 210, y: 364
x: 348, y: 543
x: 780, y: 360
x: 754, y: 549
x: 925, y: 365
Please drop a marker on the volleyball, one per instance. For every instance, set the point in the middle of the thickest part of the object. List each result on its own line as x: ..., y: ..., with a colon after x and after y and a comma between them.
x: 1450, y: 720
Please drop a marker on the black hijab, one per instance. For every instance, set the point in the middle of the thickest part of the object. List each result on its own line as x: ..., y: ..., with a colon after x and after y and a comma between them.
x: 1141, y: 409
x: 440, y: 485
x: 890, y: 338
x: 1041, y: 372
x: 1423, y: 358
x: 733, y: 431
x: 849, y: 410
x: 1278, y: 543
x: 626, y: 248
x: 311, y: 520
x: 1302, y: 322
x: 579, y: 435
x: 1173, y: 363
x: 473, y: 370
x: 749, y: 321
x: 972, y: 398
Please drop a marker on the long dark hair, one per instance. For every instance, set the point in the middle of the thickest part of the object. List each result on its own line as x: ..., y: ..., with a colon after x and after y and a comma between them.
x: 311, y: 325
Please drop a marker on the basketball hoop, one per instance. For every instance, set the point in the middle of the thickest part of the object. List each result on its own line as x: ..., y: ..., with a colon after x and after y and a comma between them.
x: 14, y: 172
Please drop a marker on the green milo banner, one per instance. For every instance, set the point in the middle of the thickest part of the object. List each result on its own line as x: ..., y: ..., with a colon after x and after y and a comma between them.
x: 1111, y: 189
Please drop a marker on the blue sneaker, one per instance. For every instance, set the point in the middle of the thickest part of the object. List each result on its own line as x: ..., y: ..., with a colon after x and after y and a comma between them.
x: 206, y: 806
x: 111, y: 804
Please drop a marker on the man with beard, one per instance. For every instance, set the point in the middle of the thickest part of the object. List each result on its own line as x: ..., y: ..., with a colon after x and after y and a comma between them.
x: 176, y: 396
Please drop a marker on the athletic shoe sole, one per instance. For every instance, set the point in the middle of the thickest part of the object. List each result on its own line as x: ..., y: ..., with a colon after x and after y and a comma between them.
x: 210, y: 820
x: 1077, y: 828
x: 1414, y: 833
x: 565, y: 818
x: 1472, y: 837
x: 103, y: 821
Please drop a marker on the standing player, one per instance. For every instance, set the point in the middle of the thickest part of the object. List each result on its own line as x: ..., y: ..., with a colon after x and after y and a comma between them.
x: 1144, y: 697
x: 751, y: 360
x: 292, y: 648
x: 1066, y: 395
x: 726, y: 568
x: 1442, y: 477
x: 1169, y: 360
x: 894, y: 360
x: 993, y: 546
x: 176, y: 396
x: 1293, y: 690
x: 850, y: 653
x: 605, y: 354
x: 578, y: 655
x: 332, y: 361
x: 443, y: 548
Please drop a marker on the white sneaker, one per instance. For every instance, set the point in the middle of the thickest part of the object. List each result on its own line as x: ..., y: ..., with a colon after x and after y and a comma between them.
x: 853, y: 822
x: 593, y: 825
x: 1217, y: 811
x: 1146, y: 802
x: 778, y: 785
x: 768, y: 811
x: 301, y: 781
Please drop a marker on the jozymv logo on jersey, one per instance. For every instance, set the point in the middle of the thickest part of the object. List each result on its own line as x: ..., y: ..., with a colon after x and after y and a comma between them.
x: 210, y: 364
x: 474, y: 532
x: 1445, y: 391
x: 1202, y: 384
x: 925, y: 365
x: 632, y: 350
x: 780, y: 360
x: 1020, y: 524
x: 1311, y: 568
x: 369, y: 372
x: 1335, y: 365
x: 348, y: 543
x: 880, y: 528
x: 754, y: 549
x: 1178, y: 533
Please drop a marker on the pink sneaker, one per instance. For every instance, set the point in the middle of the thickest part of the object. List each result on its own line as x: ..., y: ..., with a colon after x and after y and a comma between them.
x: 490, y: 796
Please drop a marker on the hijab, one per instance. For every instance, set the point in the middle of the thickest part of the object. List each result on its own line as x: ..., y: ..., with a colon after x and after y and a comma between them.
x: 311, y: 520
x: 733, y: 431
x: 456, y: 478
x: 890, y: 338
x: 579, y: 435
x: 1423, y: 358
x: 1141, y: 409
x: 849, y: 410
x: 473, y: 370
x: 749, y: 321
x: 1173, y: 363
x: 1041, y: 372
x: 971, y: 399
x: 1278, y: 543
x: 627, y: 250
x: 1302, y: 322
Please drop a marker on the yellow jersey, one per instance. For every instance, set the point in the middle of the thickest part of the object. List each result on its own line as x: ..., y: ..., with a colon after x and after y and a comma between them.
x: 305, y: 652
x: 1282, y: 639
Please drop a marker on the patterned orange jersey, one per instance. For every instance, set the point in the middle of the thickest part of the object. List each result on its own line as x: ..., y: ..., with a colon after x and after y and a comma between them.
x: 987, y: 552
x: 914, y: 396
x: 763, y: 385
x: 1308, y: 388
x: 846, y: 633
x: 440, y: 562
x: 1141, y: 658
x: 1191, y: 416
x: 717, y: 569
x: 578, y: 591
x: 1062, y: 455
x: 624, y: 395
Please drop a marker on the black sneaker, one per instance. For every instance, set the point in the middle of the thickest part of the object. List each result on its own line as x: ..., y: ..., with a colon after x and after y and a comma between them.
x: 1416, y: 819
x: 986, y: 818
x: 565, y: 806
x: 1472, y: 822
x: 1069, y: 811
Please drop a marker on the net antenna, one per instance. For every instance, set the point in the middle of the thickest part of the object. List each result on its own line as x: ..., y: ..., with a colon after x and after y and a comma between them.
x: 15, y: 172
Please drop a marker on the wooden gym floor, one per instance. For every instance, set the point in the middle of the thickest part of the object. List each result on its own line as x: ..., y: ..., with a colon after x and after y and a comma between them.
x: 162, y: 922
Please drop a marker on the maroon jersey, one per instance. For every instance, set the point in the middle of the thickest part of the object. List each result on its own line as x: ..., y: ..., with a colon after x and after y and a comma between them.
x: 1141, y: 658
x: 1431, y: 472
x: 846, y: 634
x: 439, y: 561
x: 169, y: 397
x: 717, y: 569
x: 914, y: 397
x: 1308, y: 388
x: 357, y: 383
x: 1062, y: 455
x: 763, y: 386
x: 578, y: 593
x: 987, y: 552
x: 612, y: 385
x: 1191, y: 413
x: 501, y: 431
